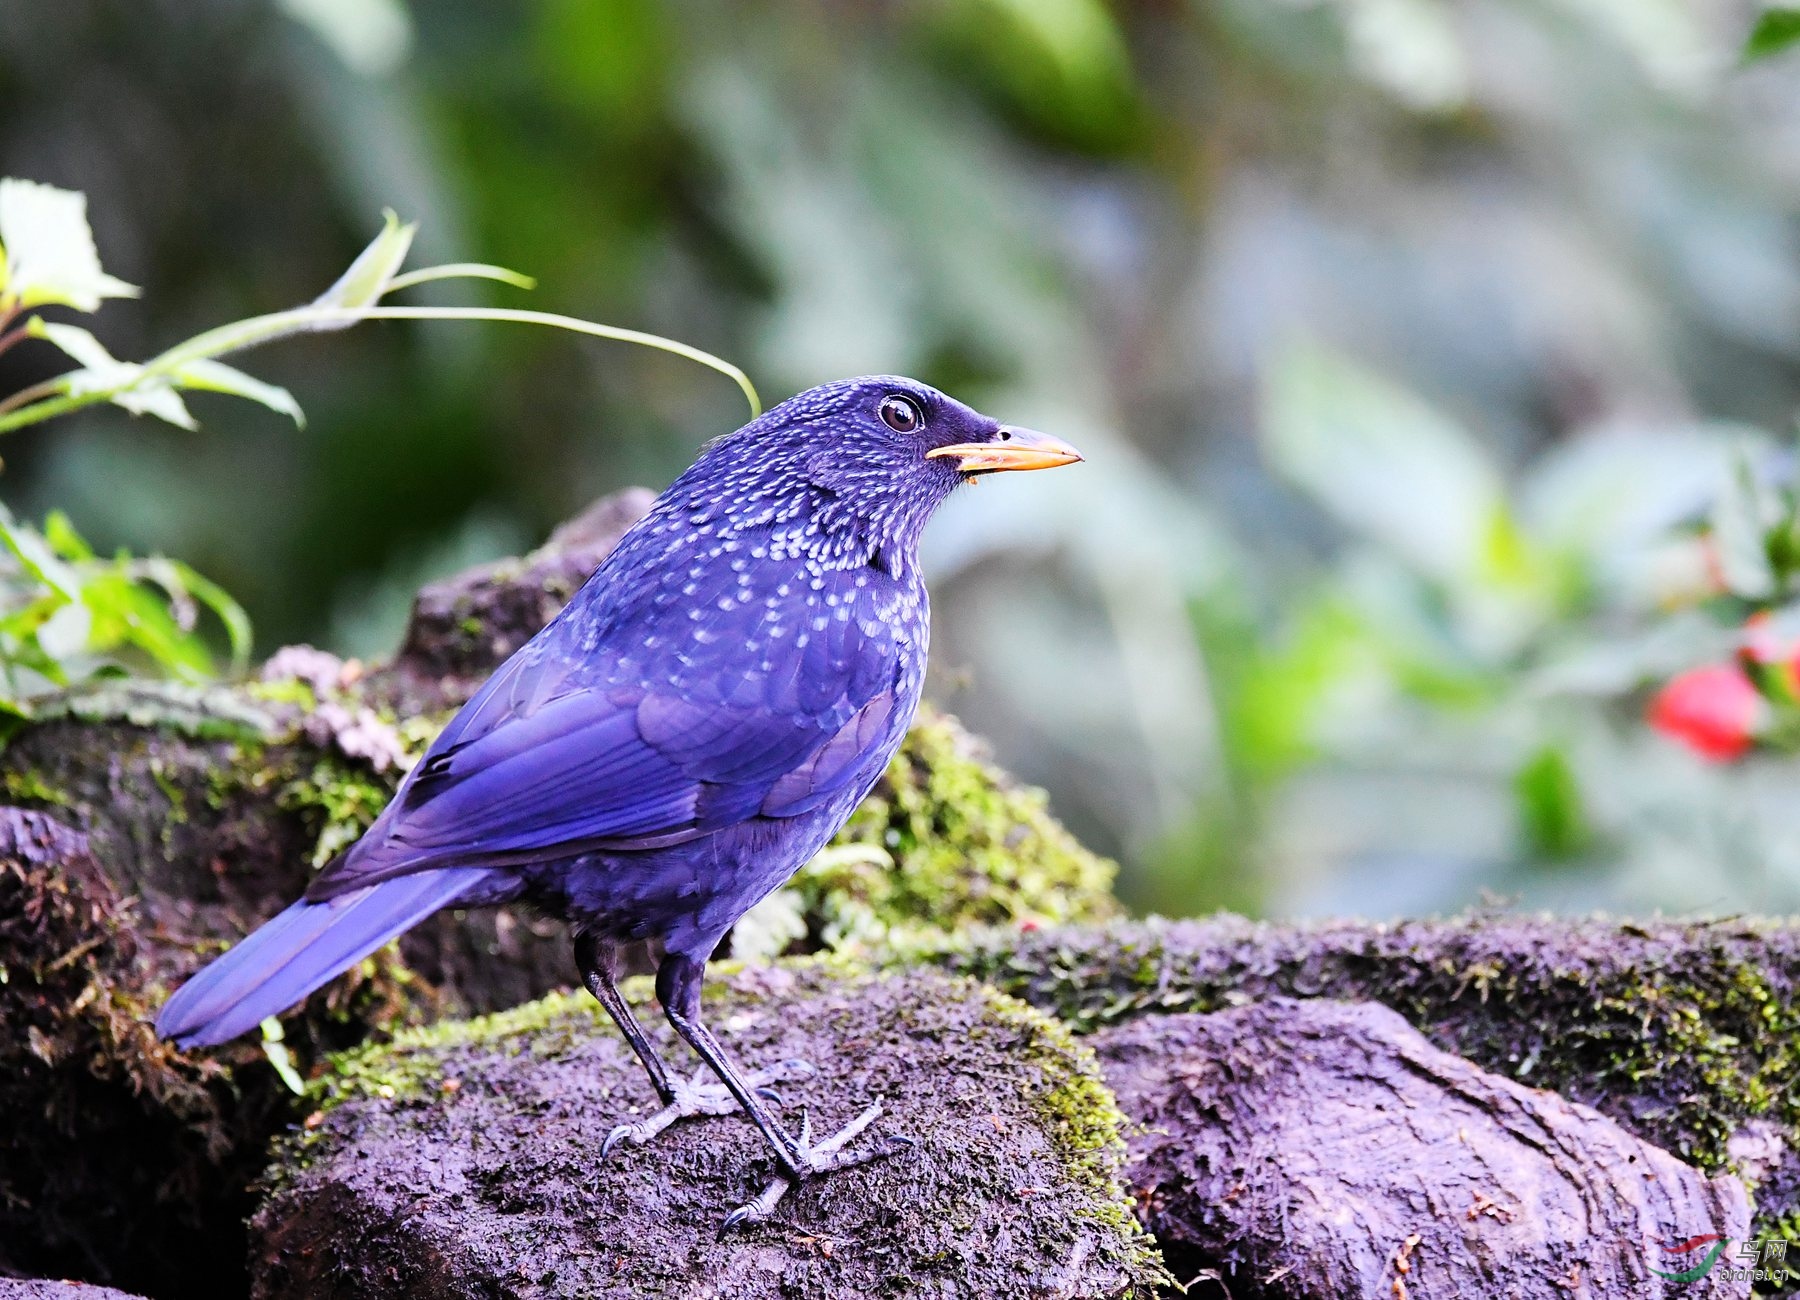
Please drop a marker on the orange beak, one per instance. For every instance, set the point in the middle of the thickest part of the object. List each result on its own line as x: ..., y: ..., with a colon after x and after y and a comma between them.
x: 1011, y: 448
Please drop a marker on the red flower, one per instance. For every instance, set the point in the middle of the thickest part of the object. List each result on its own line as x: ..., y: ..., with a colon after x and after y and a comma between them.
x: 1715, y: 711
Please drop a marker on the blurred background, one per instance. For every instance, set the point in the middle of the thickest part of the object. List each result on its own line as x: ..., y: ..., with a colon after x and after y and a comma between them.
x: 1419, y: 348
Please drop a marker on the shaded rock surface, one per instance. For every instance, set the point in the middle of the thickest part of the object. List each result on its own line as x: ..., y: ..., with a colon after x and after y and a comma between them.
x: 21, y: 1289
x: 462, y: 628
x: 465, y: 1161
x: 1686, y: 1033
x: 1325, y: 1151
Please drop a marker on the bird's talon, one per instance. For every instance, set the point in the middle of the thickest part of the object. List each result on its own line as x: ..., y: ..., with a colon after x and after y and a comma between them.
x: 697, y: 1096
x: 614, y: 1138
x: 808, y: 1161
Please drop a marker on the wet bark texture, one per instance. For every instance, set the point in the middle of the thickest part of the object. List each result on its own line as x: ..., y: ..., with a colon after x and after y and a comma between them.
x: 12, y: 1289
x: 1324, y: 1150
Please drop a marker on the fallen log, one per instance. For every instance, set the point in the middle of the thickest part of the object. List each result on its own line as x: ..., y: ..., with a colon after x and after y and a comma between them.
x: 1325, y: 1151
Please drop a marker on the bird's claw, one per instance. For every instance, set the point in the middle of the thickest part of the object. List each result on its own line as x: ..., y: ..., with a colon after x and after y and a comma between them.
x: 700, y: 1096
x: 809, y: 1161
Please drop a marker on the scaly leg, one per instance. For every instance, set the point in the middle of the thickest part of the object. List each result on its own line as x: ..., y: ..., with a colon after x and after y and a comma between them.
x: 598, y: 961
x: 681, y: 1099
x: 678, y: 982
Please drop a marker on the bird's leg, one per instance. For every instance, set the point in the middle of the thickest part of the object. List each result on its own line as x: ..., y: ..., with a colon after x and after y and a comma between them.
x: 681, y: 1099
x: 598, y: 961
x: 678, y: 982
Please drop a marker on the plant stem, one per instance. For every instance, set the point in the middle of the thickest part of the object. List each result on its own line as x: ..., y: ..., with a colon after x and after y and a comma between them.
x: 14, y: 337
x: 249, y: 333
x: 15, y: 414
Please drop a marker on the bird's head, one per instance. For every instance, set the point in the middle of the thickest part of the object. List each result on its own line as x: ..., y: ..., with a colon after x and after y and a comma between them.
x: 882, y: 451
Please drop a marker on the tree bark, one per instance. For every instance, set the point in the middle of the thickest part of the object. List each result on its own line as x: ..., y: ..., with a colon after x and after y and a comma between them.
x: 1324, y: 1150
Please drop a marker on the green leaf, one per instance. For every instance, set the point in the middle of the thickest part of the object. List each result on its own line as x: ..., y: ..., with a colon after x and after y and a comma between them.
x: 39, y: 560
x: 280, y: 1058
x: 50, y: 254
x: 59, y: 531
x: 1551, y: 812
x: 153, y: 396
x: 124, y: 383
x: 461, y: 271
x: 224, y: 608
x: 217, y: 377
x: 1777, y: 28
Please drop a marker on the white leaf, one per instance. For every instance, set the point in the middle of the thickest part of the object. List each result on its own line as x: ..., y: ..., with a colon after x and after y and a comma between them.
x: 217, y: 377
x: 367, y: 279
x: 156, y: 396
x: 101, y: 372
x: 81, y: 346
x: 764, y: 932
x: 50, y: 255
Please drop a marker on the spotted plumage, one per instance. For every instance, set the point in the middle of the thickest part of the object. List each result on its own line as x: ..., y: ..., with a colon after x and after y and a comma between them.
x: 695, y: 724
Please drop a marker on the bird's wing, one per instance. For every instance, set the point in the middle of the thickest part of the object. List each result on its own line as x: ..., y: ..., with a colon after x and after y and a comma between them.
x: 554, y: 756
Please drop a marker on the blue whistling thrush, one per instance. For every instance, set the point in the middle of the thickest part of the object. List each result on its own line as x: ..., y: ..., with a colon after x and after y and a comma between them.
x: 696, y: 724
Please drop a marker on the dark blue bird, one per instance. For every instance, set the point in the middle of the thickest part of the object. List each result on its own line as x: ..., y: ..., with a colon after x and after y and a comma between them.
x: 695, y: 725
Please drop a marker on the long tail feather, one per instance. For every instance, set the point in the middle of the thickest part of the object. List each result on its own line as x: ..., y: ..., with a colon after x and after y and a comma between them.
x: 299, y: 950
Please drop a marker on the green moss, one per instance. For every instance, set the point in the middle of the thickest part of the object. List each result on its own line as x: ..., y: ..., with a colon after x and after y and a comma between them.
x: 409, y: 1067
x: 25, y: 788
x: 946, y: 841
x: 343, y: 797
x: 289, y: 692
x: 1081, y: 1117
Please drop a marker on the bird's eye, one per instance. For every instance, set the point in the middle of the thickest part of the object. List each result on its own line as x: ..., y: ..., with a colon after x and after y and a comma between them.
x: 900, y: 414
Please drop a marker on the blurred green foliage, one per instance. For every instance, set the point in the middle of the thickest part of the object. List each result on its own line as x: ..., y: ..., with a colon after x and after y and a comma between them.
x: 1412, y: 343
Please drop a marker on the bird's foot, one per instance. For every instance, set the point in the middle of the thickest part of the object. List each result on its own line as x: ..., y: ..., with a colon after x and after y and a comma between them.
x: 809, y: 1160
x: 698, y: 1096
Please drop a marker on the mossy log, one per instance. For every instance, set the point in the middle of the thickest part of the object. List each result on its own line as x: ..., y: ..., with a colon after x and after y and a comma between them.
x: 1324, y: 1150
x: 463, y: 1161
x: 1283, y: 1149
x: 1686, y: 1034
x: 147, y: 826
